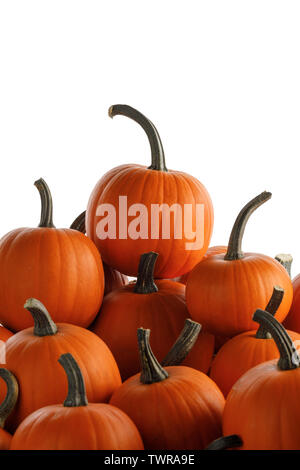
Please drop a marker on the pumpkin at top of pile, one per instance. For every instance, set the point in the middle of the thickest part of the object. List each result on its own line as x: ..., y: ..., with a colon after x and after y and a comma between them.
x: 223, y: 291
x: 61, y: 267
x: 178, y: 248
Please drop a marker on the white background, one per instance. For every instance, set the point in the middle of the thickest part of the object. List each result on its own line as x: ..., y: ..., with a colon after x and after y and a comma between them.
x: 220, y: 80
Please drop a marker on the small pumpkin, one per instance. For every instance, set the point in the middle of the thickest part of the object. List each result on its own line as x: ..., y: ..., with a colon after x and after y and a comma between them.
x: 32, y: 354
x: 151, y: 187
x: 159, y: 306
x: 7, y: 405
x: 77, y: 424
x: 59, y: 266
x: 222, y: 292
x: 246, y: 350
x: 113, y: 278
x: 175, y: 407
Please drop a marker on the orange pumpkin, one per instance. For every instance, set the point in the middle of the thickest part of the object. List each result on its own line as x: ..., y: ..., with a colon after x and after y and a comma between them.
x: 292, y: 321
x: 222, y: 292
x: 4, y: 334
x: 7, y: 405
x: 263, y: 405
x: 77, y: 424
x: 159, y: 306
x: 246, y: 350
x: 146, y: 190
x: 32, y: 356
x: 175, y: 407
x: 59, y: 266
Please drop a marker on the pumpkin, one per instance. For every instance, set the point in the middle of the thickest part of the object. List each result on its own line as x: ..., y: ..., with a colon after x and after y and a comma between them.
x: 4, y: 334
x: 292, y: 321
x: 32, y: 354
x: 113, y: 279
x: 246, y: 350
x: 59, y: 266
x: 7, y: 406
x: 222, y: 292
x: 77, y: 424
x: 158, y: 305
x: 150, y: 195
x: 175, y: 407
x: 262, y: 407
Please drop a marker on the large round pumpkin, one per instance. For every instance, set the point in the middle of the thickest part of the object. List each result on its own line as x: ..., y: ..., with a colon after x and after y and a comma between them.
x: 7, y: 405
x: 77, y: 424
x: 61, y: 267
x: 128, y: 212
x: 222, y: 292
x: 32, y: 354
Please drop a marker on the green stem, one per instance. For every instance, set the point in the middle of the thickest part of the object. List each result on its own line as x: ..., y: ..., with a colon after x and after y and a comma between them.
x: 226, y: 442
x: 76, y: 388
x: 271, y: 308
x: 152, y: 371
x: 47, y: 205
x: 79, y: 223
x: 183, y: 344
x: 157, y: 151
x: 11, y: 397
x: 145, y: 281
x: 43, y: 323
x: 286, y: 261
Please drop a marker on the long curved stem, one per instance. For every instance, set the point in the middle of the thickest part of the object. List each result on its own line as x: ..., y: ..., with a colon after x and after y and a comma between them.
x: 226, y: 442
x: 271, y: 308
x: 43, y: 323
x: 286, y: 261
x: 145, y: 281
x: 183, y: 344
x: 76, y: 388
x: 79, y: 223
x: 152, y: 371
x: 157, y: 151
x: 234, y: 250
x: 289, y: 358
x: 47, y: 204
x: 11, y: 397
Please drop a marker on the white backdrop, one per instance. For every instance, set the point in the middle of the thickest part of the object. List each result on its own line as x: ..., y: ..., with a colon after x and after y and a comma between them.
x: 220, y: 80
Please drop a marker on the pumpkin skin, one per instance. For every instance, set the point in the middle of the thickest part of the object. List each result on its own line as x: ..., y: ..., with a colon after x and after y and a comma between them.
x: 292, y: 321
x: 33, y: 360
x: 180, y: 410
x: 222, y: 292
x: 7, y: 404
x: 153, y: 185
x: 5, y: 333
x: 31, y: 260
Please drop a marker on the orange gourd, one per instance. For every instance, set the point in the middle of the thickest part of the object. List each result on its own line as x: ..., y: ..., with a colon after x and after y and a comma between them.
x: 155, y: 185
x: 175, y: 407
x: 77, y: 424
x: 59, y: 266
x: 292, y: 321
x: 4, y: 334
x: 7, y: 405
x: 159, y: 306
x: 32, y: 354
x: 222, y: 292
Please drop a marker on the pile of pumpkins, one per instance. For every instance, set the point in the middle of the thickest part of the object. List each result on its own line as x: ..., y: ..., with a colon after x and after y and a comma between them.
x: 193, y: 354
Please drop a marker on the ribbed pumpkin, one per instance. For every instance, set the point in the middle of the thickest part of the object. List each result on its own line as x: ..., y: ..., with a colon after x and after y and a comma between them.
x: 247, y: 350
x: 77, y: 424
x: 59, y: 266
x: 175, y: 407
x: 213, y: 250
x: 7, y: 405
x: 159, y: 306
x: 222, y: 292
x: 32, y: 354
x: 149, y: 188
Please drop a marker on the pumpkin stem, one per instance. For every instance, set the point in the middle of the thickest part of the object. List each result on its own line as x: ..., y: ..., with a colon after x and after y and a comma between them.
x: 76, y: 388
x: 234, y: 250
x: 152, y: 371
x: 271, y: 308
x: 47, y: 205
x: 79, y: 223
x: 43, y: 323
x: 145, y: 281
x: 225, y: 442
x: 289, y: 358
x: 183, y: 344
x: 11, y: 397
x: 286, y: 261
x: 157, y: 151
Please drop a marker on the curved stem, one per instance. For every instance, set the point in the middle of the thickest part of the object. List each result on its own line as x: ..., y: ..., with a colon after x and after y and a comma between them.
x: 271, y: 308
x: 145, y: 281
x: 11, y: 397
x: 79, y: 223
x: 289, y: 358
x: 47, y: 205
x: 43, y: 323
x: 152, y: 371
x: 76, y: 388
x: 226, y: 442
x: 183, y: 344
x: 286, y: 261
x: 157, y: 151
x: 234, y: 250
